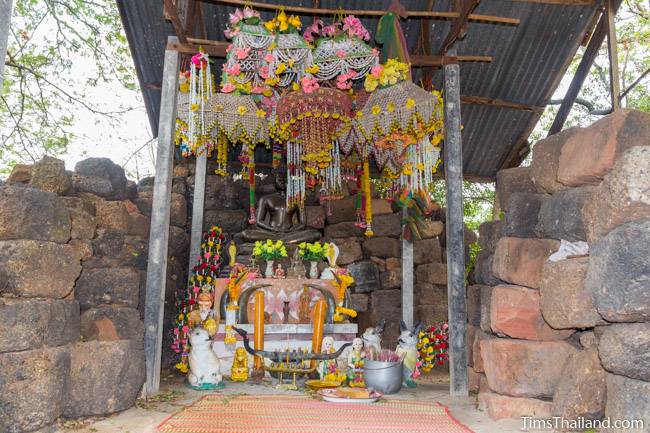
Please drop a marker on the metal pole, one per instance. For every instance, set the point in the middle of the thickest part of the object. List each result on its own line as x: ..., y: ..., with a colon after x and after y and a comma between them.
x: 407, y: 280
x: 159, y: 232
x: 6, y: 8
x: 197, y: 208
x: 614, y: 78
x: 453, y: 158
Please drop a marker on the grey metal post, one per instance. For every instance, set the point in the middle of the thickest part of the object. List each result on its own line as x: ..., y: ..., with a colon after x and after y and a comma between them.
x: 453, y: 158
x: 197, y: 208
x: 407, y: 280
x: 159, y: 232
x: 6, y: 8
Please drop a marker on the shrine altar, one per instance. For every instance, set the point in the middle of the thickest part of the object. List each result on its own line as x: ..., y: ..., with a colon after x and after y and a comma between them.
x: 281, y: 331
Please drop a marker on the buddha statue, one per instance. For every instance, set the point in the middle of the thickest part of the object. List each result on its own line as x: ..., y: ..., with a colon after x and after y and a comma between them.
x: 239, y: 371
x: 276, y: 221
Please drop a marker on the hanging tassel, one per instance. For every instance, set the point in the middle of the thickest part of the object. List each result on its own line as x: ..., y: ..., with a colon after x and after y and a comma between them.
x: 368, y: 198
x: 251, y: 184
x: 359, y: 174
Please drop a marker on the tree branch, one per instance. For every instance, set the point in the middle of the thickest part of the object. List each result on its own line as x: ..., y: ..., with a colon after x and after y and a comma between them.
x: 585, y: 103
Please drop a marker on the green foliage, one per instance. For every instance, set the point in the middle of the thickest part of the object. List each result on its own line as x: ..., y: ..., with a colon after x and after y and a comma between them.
x: 633, y: 44
x: 478, y: 199
x: 57, y: 51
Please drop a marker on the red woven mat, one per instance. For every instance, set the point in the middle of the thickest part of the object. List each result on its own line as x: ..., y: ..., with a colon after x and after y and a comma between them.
x: 301, y: 414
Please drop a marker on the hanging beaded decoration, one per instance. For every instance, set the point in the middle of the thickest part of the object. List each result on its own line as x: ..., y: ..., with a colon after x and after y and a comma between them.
x: 201, y: 90
x: 250, y: 41
x: 314, y: 119
x: 341, y: 52
x: 295, y: 175
x: 237, y: 118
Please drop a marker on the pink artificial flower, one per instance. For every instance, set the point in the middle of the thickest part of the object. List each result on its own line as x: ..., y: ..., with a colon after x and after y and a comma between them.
x: 235, y: 69
x: 341, y: 54
x: 185, y: 329
x: 329, y: 31
x: 309, y: 84
x: 236, y: 17
x: 257, y: 90
x: 199, y: 59
x: 248, y: 13
x: 264, y: 72
x: 445, y: 326
x: 229, y: 48
x: 228, y: 34
x: 269, y: 58
x: 195, y: 289
x: 375, y: 71
x: 176, y: 332
x: 207, y: 255
x: 228, y: 88
x: 242, y: 53
x: 415, y: 374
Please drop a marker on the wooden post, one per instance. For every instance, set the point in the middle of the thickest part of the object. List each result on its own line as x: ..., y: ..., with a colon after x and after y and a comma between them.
x: 453, y: 159
x: 198, y: 203
x: 159, y: 232
x: 6, y: 8
x: 407, y: 280
x: 612, y: 49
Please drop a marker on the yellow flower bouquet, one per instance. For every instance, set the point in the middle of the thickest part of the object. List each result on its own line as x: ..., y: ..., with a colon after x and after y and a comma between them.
x: 312, y: 251
x: 269, y: 250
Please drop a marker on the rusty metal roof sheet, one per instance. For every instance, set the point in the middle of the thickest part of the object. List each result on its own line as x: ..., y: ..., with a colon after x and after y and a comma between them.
x: 528, y: 61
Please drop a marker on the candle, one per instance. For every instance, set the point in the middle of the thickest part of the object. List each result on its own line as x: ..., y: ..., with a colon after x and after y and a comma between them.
x: 259, y: 328
x: 320, y: 309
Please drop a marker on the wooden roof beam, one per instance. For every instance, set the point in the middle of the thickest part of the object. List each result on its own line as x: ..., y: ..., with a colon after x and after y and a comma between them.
x: 369, y: 12
x: 171, y: 13
x: 581, y: 73
x: 459, y: 24
x: 218, y: 49
x: 480, y: 100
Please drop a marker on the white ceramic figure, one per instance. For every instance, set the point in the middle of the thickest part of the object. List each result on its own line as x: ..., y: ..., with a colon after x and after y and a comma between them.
x: 372, y: 339
x: 324, y: 365
x: 204, y: 364
x: 407, y: 348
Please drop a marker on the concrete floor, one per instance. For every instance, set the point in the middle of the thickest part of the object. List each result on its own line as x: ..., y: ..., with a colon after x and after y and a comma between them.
x: 175, y: 395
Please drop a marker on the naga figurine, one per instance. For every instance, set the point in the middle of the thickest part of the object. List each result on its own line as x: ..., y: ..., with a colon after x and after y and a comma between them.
x: 288, y: 356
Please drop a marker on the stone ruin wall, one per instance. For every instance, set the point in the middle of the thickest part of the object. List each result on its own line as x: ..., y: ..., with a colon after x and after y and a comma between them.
x: 569, y: 338
x: 73, y: 258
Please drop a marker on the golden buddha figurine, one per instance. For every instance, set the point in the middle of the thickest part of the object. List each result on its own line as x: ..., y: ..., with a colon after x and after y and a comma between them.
x: 204, y: 316
x: 239, y: 371
x: 232, y: 253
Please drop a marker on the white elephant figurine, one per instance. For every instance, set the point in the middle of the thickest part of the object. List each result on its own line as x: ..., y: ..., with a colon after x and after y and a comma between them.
x: 204, y: 364
x: 407, y: 348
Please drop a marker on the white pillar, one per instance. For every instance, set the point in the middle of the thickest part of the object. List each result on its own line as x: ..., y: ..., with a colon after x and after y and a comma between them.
x: 197, y: 208
x: 407, y: 280
x: 160, y: 214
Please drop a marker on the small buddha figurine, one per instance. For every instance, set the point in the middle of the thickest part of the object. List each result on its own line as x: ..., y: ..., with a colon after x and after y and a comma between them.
x: 204, y: 316
x: 232, y: 253
x: 356, y: 361
x: 297, y: 269
x: 279, y: 272
x: 239, y: 371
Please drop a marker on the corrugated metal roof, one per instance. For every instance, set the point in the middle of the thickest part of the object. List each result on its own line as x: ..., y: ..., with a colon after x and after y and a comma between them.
x: 528, y: 61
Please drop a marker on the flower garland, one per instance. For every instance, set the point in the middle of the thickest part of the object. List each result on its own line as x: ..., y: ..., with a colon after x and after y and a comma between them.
x: 203, y: 274
x: 432, y: 349
x: 368, y: 198
x: 342, y: 281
